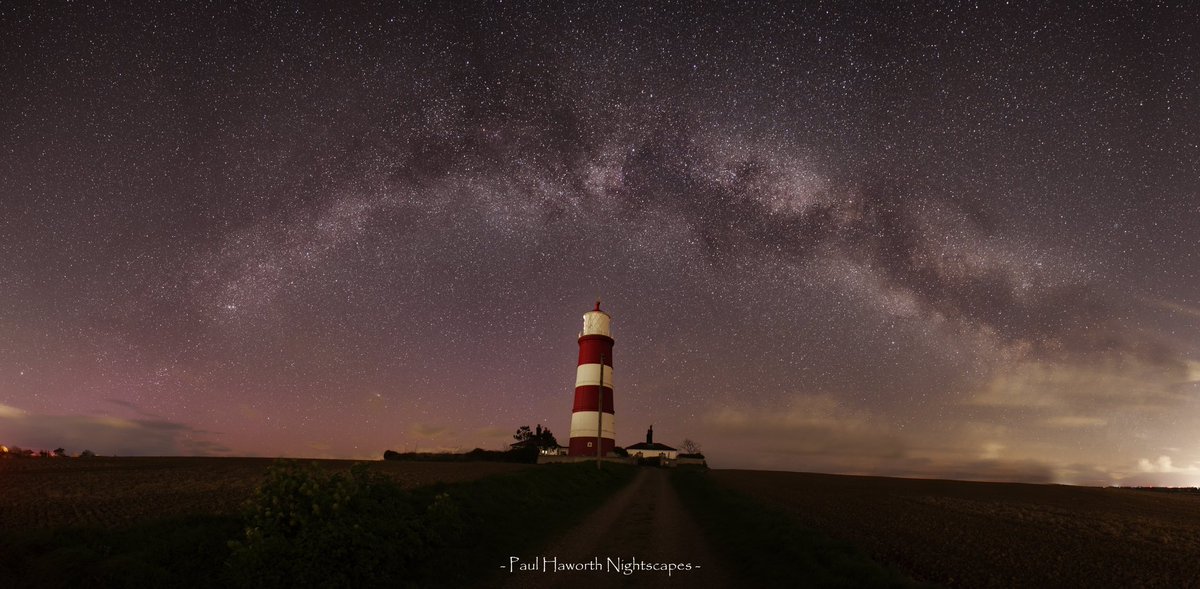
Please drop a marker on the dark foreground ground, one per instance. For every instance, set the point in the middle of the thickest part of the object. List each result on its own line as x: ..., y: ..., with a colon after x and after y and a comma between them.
x: 944, y: 532
x: 112, y: 492
x: 997, y: 534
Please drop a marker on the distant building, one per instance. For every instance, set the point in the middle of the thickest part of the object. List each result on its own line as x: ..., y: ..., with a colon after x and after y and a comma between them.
x: 553, y: 450
x: 652, y: 449
x: 544, y: 447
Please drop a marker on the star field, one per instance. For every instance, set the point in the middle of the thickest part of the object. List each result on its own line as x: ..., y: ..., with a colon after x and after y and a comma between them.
x: 933, y: 240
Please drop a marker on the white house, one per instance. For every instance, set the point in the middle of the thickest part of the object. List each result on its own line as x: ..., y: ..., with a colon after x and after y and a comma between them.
x: 651, y: 449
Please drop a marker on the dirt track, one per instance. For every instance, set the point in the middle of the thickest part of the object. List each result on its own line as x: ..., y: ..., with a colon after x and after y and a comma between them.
x: 646, y: 521
x: 997, y: 534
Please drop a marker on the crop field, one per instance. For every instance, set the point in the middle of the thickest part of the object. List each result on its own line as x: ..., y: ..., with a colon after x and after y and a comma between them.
x: 945, y: 532
x: 112, y: 492
x: 997, y: 534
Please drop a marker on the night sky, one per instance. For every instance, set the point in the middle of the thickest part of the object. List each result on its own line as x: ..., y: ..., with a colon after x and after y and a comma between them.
x: 951, y: 240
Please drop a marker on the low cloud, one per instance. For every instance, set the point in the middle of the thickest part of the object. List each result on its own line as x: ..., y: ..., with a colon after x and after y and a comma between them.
x: 818, y: 433
x: 1075, y: 421
x: 1107, y: 382
x: 423, y: 431
x: 105, y: 434
x: 1085, y: 474
x: 1163, y: 472
x: 1165, y: 464
x: 809, y: 425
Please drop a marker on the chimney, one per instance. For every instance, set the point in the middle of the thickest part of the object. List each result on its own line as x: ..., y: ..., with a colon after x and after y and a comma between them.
x: 650, y: 435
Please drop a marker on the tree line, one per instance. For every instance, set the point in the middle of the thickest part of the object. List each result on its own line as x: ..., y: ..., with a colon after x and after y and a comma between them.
x: 19, y: 452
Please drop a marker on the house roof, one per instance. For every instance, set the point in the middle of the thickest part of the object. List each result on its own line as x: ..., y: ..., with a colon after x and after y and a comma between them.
x: 651, y: 446
x: 540, y: 443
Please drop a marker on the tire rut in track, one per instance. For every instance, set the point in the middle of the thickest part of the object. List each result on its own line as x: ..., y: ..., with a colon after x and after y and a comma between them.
x: 645, y: 520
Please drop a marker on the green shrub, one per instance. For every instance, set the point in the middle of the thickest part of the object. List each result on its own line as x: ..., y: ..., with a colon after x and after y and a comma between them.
x: 306, y: 527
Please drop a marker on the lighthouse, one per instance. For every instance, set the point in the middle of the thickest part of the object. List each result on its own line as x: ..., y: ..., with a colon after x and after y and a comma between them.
x: 592, y: 426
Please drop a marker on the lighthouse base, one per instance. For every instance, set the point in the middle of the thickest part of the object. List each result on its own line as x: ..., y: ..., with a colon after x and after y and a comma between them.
x: 587, y: 446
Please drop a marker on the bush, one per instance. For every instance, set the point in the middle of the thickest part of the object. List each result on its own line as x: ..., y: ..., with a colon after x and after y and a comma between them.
x: 306, y: 527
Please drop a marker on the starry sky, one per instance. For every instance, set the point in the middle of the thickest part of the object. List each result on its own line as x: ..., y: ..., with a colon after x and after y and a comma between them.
x: 935, y: 240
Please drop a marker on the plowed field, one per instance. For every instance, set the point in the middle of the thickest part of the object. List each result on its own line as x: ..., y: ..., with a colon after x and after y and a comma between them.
x: 997, y: 534
x: 109, y: 492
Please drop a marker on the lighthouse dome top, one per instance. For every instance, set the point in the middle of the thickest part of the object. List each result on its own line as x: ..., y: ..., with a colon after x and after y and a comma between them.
x: 596, y: 322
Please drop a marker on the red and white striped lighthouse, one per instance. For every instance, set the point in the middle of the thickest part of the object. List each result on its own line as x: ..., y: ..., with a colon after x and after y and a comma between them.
x: 592, y: 425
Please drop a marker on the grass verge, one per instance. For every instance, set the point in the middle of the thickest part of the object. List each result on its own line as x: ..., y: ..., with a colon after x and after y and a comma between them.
x: 514, y: 514
x: 768, y: 548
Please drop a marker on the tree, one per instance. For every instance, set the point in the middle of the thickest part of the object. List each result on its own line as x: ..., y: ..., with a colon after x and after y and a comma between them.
x: 59, y: 452
x: 690, y: 446
x: 87, y: 454
x: 545, y: 436
x: 541, y: 436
